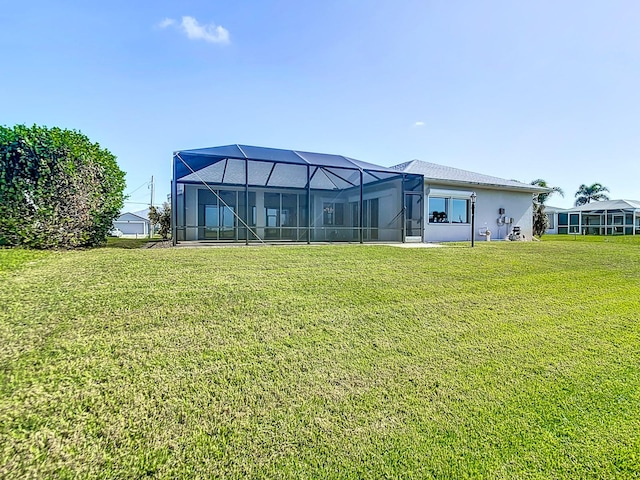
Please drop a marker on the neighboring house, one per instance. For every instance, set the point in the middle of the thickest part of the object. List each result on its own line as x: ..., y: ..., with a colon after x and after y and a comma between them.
x: 610, y: 217
x: 134, y: 223
x: 501, y: 204
x: 240, y: 193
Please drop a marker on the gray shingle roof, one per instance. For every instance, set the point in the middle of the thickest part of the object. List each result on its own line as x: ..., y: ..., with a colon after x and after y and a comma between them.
x: 605, y: 205
x: 456, y: 176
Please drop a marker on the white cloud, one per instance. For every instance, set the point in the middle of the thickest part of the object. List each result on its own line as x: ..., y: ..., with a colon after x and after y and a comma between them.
x: 209, y: 33
x: 418, y: 124
x: 166, y: 22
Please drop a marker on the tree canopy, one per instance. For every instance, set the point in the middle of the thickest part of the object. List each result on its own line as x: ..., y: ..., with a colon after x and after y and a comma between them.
x: 540, y: 220
x: 591, y: 193
x: 57, y: 188
x: 542, y: 198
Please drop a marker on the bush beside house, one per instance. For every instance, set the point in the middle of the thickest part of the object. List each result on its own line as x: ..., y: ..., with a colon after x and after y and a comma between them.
x: 57, y: 188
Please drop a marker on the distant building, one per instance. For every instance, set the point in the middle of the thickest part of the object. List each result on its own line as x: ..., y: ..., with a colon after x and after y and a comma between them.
x: 134, y: 223
x: 610, y: 217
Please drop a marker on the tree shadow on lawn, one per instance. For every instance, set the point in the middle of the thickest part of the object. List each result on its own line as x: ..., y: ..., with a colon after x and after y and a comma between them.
x: 131, y: 243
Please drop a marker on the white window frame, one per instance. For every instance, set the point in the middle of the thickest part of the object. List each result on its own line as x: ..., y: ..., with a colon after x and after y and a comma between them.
x: 449, y: 196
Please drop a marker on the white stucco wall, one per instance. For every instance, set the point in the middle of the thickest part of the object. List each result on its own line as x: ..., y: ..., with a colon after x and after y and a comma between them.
x: 517, y: 205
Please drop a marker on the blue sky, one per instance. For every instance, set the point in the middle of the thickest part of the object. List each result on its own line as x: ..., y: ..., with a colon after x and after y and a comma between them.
x: 519, y: 90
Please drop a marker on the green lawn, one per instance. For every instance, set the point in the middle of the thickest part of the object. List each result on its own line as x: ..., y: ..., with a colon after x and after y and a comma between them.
x: 509, y: 360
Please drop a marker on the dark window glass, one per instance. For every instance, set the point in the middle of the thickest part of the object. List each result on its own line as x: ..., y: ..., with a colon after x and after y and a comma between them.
x: 328, y: 214
x: 574, y: 219
x: 272, y: 209
x: 460, y: 210
x: 413, y: 215
x: 563, y: 219
x: 289, y: 215
x: 339, y: 213
x: 438, y: 210
x: 227, y: 214
x: 332, y: 213
x: 302, y: 210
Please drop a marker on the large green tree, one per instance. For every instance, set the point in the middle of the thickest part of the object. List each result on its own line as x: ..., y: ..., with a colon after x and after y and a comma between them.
x: 591, y: 193
x: 57, y: 188
x: 540, y: 220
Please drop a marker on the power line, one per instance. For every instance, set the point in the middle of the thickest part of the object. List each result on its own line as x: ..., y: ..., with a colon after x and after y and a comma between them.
x: 145, y: 184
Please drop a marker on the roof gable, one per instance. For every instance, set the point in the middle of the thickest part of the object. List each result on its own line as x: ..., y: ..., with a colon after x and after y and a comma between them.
x: 130, y: 216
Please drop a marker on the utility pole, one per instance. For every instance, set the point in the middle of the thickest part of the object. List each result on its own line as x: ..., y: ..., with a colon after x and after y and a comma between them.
x: 151, y: 203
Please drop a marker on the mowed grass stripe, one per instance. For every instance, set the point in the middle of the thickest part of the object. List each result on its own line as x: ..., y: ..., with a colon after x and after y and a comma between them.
x: 507, y: 360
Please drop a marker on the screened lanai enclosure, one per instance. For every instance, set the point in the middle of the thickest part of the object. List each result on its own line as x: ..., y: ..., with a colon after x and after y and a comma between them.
x: 609, y: 217
x: 240, y: 193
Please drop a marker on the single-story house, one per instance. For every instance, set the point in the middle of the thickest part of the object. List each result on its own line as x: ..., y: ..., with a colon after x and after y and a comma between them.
x: 134, y: 223
x: 241, y: 193
x: 610, y: 217
x: 501, y: 204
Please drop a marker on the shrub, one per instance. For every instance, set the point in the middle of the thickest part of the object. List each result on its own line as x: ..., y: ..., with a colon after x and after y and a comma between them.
x: 57, y: 188
x: 162, y: 218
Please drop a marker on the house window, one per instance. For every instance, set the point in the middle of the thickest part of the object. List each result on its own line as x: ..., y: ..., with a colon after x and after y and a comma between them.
x: 438, y: 210
x: 448, y: 210
x: 551, y: 218
x: 574, y: 223
x: 563, y: 219
x: 459, y: 210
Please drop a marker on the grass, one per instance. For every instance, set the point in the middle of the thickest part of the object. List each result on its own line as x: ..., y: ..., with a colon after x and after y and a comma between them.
x: 509, y: 360
x: 625, y: 239
x: 127, y: 243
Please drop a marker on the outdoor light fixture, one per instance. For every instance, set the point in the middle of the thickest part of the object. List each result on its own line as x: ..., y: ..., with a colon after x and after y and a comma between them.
x: 473, y: 217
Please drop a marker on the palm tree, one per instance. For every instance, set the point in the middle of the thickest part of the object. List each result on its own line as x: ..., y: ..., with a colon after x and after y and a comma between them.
x: 540, y: 220
x: 541, y: 198
x: 587, y: 194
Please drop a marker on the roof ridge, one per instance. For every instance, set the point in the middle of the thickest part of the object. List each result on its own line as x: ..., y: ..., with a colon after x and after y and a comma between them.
x: 439, y: 172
